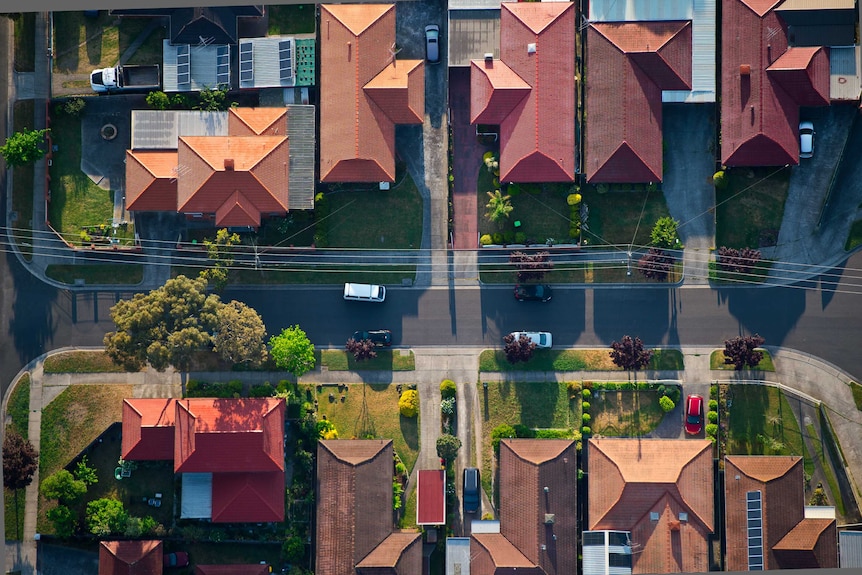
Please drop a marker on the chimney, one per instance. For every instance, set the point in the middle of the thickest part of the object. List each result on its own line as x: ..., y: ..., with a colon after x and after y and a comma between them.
x: 745, y: 69
x: 228, y: 164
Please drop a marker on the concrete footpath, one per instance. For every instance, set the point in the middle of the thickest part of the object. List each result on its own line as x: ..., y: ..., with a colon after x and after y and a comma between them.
x: 810, y: 379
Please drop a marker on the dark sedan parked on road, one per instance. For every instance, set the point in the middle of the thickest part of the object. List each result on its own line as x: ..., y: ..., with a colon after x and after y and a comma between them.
x: 380, y: 337
x: 533, y: 292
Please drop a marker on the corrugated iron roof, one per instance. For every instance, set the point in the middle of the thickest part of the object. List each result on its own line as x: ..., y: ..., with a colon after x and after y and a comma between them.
x: 204, y: 63
x: 472, y: 34
x: 301, y: 135
x: 845, y: 79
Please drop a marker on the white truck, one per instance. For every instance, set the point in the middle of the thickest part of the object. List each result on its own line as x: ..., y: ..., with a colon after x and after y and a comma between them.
x: 125, y: 79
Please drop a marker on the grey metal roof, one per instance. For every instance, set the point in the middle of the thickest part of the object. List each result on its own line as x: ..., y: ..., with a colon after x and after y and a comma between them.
x: 850, y: 549
x: 844, y: 73
x: 160, y: 129
x: 473, y: 4
x: 266, y: 64
x: 209, y: 66
x: 817, y: 5
x: 457, y: 556
x: 472, y: 34
x: 701, y: 13
x: 197, y: 496
x: 301, y: 143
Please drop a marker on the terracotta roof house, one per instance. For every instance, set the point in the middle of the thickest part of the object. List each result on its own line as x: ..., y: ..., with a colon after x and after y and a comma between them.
x: 235, y: 178
x: 200, y: 25
x: 764, y: 82
x: 250, y: 569
x: 538, y: 511
x: 631, y: 63
x: 130, y: 558
x: 529, y: 92
x: 659, y: 490
x: 237, y: 444
x: 355, y: 529
x: 766, y: 520
x: 364, y: 92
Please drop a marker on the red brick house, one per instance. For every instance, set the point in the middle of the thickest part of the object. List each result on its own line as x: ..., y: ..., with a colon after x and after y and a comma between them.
x: 764, y: 82
x: 355, y: 525
x: 629, y: 64
x: 130, y: 558
x: 538, y: 511
x: 659, y: 490
x: 766, y: 521
x: 530, y: 92
x: 364, y: 92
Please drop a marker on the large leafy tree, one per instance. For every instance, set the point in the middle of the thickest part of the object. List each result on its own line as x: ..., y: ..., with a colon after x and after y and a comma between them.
x: 656, y: 264
x: 518, y: 349
x: 498, y: 207
x: 240, y: 335
x: 664, y: 233
x: 24, y: 147
x: 531, y: 267
x: 220, y: 252
x: 62, y: 486
x: 361, y: 349
x: 742, y: 351
x: 165, y: 326
x: 629, y: 353
x: 292, y: 351
x: 106, y: 516
x: 734, y: 261
x: 20, y: 461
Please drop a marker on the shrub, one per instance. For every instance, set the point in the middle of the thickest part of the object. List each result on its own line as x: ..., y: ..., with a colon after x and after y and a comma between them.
x: 447, y: 389
x: 666, y: 404
x: 500, y: 432
x: 573, y: 199
x: 585, y: 406
x: 586, y: 418
x: 62, y: 486
x: 261, y: 390
x: 712, y: 416
x: 408, y: 405
x: 711, y: 429
x: 158, y: 100
x: 713, y: 391
x: 64, y: 521
x: 520, y: 237
x: 447, y: 406
x: 74, y: 107
x: 400, y: 468
x: 498, y: 238
x: 106, y: 516
x: 586, y: 393
x: 585, y: 430
x: 197, y: 388
x: 719, y: 180
x: 485, y: 240
x: 522, y: 431
x: 713, y: 405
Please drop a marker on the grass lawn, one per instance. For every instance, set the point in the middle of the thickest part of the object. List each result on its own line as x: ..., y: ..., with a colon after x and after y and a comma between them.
x: 291, y: 19
x: 583, y: 273
x: 749, y: 210
x: 97, y: 274
x: 22, y: 184
x: 81, y: 362
x: 75, y: 200
x: 305, y: 274
x: 386, y: 360
x: 716, y: 361
x: 150, y: 52
x: 827, y: 467
x: 81, y: 43
x: 761, y: 422
x: 625, y: 413
x: 18, y: 410
x: 75, y: 418
x: 25, y: 42
x: 622, y: 217
x: 573, y: 360
x: 368, y: 411
x: 408, y: 517
x: 374, y: 219
x: 540, y: 405
x: 854, y: 239
x: 857, y: 394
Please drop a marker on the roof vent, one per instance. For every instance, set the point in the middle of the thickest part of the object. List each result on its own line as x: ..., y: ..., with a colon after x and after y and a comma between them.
x: 550, y: 518
x: 653, y: 516
x: 228, y: 164
x: 531, y: 48
x: 683, y: 516
x: 543, y: 547
x: 674, y: 525
x: 745, y: 69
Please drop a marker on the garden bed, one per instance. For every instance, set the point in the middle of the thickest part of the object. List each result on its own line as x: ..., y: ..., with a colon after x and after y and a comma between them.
x: 386, y: 360
x: 494, y: 360
x: 716, y: 362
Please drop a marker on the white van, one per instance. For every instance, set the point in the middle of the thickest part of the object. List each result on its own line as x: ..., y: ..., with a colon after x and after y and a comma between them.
x: 364, y: 292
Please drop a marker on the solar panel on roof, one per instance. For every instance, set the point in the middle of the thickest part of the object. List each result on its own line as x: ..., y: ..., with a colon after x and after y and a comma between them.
x: 223, y: 69
x: 285, y: 60
x: 754, y: 510
x: 246, y: 62
x: 183, y: 64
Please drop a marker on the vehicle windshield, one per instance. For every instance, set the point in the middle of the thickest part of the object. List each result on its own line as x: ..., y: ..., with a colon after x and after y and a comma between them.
x: 693, y: 419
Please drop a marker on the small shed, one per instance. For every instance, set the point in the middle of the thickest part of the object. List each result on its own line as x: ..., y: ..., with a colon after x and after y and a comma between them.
x: 431, y: 497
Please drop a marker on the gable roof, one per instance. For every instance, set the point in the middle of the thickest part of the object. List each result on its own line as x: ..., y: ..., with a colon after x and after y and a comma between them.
x: 229, y: 435
x: 664, y: 476
x: 811, y: 544
x: 130, y: 558
x: 538, y: 481
x: 636, y: 61
x: 535, y: 78
x: 148, y: 429
x: 248, y: 497
x: 257, y: 121
x: 248, y: 569
x: 763, y: 85
x: 151, y: 180
x: 357, y: 117
x: 490, y: 552
x: 431, y: 497
x: 219, y: 166
x: 393, y: 554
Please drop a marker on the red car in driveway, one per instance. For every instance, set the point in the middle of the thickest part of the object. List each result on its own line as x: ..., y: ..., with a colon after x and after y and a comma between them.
x: 693, y: 414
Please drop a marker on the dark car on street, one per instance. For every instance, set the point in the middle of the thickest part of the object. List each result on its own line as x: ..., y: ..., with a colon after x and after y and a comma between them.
x: 380, y: 337
x: 533, y: 292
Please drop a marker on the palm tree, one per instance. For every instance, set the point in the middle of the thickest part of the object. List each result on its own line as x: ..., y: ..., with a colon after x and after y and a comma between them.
x: 498, y: 206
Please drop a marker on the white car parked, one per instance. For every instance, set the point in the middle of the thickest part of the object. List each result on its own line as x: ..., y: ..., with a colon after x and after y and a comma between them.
x: 540, y: 338
x: 806, y: 140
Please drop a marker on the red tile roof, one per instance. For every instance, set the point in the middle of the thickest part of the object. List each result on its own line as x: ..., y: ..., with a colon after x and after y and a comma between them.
x: 130, y: 558
x: 537, y: 114
x: 151, y: 180
x: 397, y: 554
x: 249, y: 569
x: 248, y: 497
x: 812, y: 544
x: 357, y: 136
x: 665, y: 476
x: 229, y: 435
x: 216, y: 167
x: 257, y: 121
x: 635, y: 62
x: 491, y: 552
x: 431, y: 497
x: 148, y: 429
x: 763, y: 85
